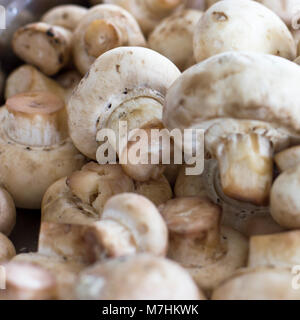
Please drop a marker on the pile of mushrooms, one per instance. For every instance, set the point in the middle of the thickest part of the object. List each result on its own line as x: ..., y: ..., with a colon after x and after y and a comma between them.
x: 115, y: 229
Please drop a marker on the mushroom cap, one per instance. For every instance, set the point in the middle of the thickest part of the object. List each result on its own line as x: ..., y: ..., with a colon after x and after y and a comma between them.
x: 235, y: 25
x: 116, y: 76
x: 174, y: 31
x: 64, y: 272
x: 7, y: 249
x: 140, y: 216
x: 258, y: 284
x: 287, y: 158
x: 138, y: 277
x: 27, y: 79
x: 114, y: 16
x: 240, y: 85
x: 284, y: 199
x: 66, y: 16
x: 7, y: 212
x: 280, y: 250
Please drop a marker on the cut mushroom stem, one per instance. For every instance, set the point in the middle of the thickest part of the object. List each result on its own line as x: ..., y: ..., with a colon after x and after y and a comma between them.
x: 130, y: 223
x: 36, y: 119
x: 246, y: 167
x: 45, y: 46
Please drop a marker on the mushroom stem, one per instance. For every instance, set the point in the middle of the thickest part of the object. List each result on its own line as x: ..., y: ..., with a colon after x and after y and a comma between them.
x: 246, y: 167
x: 102, y: 35
x: 36, y: 119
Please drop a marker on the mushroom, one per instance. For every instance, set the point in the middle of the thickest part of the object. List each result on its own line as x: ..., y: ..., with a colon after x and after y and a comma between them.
x: 158, y: 191
x: 7, y: 249
x: 284, y: 199
x: 43, y: 45
x: 209, y: 252
x: 66, y: 16
x: 129, y: 224
x: 235, y: 25
x: 7, y: 212
x: 28, y: 79
x: 244, y: 125
x: 104, y: 27
x: 112, y: 93
x: 69, y: 80
x: 36, y: 276
x: 148, y: 13
x: 268, y: 275
x: 287, y: 158
x: 261, y: 283
x: 143, y: 277
x: 35, y: 149
x: 173, y: 32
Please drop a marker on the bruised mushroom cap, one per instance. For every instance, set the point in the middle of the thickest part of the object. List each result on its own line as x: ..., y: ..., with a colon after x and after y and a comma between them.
x: 235, y: 25
x: 209, y: 252
x: 148, y: 12
x: 66, y: 16
x: 7, y: 249
x: 28, y: 79
x: 261, y: 283
x: 64, y: 272
x: 25, y: 281
x: 130, y: 224
x: 287, y: 158
x: 285, y: 9
x: 174, y: 32
x: 257, y: 85
x: 103, y: 28
x: 45, y: 46
x: 279, y: 250
x: 138, y: 277
x: 285, y: 201
x: 80, y: 198
x: 7, y: 212
x: 126, y: 73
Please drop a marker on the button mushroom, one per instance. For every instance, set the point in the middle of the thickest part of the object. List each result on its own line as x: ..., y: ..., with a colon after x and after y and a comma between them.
x: 28, y: 79
x: 66, y: 16
x: 235, y: 25
x: 174, y: 31
x: 34, y: 139
x: 7, y: 212
x: 104, y: 27
x: 148, y: 12
x: 45, y: 46
x: 141, y: 276
x: 287, y: 158
x: 243, y: 147
x: 129, y: 224
x: 209, y: 252
x: 7, y: 249
x: 131, y: 88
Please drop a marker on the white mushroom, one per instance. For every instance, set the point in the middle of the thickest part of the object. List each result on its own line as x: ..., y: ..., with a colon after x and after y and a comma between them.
x: 124, y: 84
x: 28, y: 79
x: 66, y: 16
x: 235, y: 25
x: 35, y: 149
x: 129, y: 224
x: 173, y: 37
x: 209, y: 252
x: 7, y: 212
x: 7, y: 249
x: 45, y: 46
x: 287, y: 158
x: 148, y: 12
x: 104, y: 27
x: 138, y: 277
x: 243, y: 147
